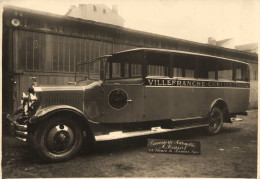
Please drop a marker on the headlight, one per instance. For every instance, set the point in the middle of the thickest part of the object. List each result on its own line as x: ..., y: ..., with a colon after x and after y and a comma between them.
x: 33, y: 97
x: 30, y: 102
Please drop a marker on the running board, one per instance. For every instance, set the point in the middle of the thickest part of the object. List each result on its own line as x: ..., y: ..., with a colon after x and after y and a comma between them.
x: 188, y: 118
x: 155, y: 130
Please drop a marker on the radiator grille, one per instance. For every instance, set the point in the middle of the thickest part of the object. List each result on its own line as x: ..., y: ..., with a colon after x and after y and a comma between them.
x: 71, y: 101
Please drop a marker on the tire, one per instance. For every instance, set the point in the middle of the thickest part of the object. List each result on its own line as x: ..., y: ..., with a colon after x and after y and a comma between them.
x: 58, y: 139
x: 215, y: 121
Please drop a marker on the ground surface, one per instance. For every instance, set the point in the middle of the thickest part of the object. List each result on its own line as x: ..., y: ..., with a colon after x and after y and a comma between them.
x: 232, y: 153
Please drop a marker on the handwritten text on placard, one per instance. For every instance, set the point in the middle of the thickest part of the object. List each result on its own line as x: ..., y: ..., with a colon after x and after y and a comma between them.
x: 173, y: 146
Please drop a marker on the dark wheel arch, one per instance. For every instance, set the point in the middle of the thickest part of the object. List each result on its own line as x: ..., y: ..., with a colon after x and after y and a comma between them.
x: 75, y: 115
x: 222, y: 105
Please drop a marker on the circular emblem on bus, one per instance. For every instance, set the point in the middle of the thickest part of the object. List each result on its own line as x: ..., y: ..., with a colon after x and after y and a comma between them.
x: 117, y: 99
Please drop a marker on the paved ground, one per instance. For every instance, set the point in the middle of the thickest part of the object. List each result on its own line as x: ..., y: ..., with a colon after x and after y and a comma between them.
x: 232, y: 153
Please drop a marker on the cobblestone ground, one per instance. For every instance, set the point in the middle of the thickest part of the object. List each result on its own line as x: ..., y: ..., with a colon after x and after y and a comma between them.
x: 232, y: 153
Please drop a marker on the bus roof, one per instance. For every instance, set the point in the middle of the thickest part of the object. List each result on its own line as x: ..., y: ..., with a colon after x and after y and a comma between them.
x: 176, y: 52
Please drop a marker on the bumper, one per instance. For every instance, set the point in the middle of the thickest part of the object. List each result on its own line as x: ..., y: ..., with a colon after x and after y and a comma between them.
x: 19, y: 131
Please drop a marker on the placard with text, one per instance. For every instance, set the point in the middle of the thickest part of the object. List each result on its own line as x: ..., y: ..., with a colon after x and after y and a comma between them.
x: 174, y: 146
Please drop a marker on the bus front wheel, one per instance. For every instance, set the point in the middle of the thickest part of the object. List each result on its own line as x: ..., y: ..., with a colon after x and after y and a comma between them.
x: 58, y: 139
x: 215, y: 121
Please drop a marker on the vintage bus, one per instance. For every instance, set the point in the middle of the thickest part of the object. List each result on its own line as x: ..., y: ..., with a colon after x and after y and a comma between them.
x: 136, y: 92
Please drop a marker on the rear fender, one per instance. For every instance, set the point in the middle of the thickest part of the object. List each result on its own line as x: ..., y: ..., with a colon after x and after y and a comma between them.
x: 223, y: 106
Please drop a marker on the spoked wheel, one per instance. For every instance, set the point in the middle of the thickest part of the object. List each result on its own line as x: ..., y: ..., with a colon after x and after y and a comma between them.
x: 58, y: 139
x: 215, y: 121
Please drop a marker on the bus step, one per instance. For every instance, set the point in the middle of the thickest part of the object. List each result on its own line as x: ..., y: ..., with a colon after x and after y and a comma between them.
x: 154, y: 130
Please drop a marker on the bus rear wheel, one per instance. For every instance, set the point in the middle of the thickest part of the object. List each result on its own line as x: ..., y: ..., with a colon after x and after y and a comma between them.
x: 215, y: 121
x: 58, y: 139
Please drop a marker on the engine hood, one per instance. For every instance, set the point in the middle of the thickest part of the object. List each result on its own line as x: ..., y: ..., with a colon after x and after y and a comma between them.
x: 63, y: 95
x: 67, y: 88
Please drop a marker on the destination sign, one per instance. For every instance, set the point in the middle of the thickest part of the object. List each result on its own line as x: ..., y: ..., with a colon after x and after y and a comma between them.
x: 173, y: 146
x: 194, y: 83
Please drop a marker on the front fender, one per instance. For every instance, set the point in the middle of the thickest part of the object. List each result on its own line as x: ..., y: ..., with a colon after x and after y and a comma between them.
x: 48, y: 111
x: 45, y: 113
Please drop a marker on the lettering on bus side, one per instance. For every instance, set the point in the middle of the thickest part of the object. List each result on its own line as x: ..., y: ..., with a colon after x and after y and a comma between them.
x: 194, y: 83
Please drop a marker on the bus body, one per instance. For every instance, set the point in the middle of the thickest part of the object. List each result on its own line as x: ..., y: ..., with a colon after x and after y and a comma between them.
x: 174, y: 85
x: 136, y: 90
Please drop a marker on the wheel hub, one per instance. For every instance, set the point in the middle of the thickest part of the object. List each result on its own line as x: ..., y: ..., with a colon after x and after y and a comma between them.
x: 60, y: 139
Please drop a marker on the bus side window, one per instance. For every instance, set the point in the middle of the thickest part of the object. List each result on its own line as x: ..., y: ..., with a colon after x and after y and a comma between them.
x: 189, y: 73
x: 126, y: 70
x: 225, y: 74
x: 206, y: 68
x: 184, y: 66
x: 241, y: 72
x: 225, y: 70
x: 156, y: 70
x: 177, y: 72
x: 211, y: 74
x: 136, y: 70
x: 124, y: 66
x: 116, y: 70
x: 238, y: 74
x: 132, y: 70
x: 158, y: 64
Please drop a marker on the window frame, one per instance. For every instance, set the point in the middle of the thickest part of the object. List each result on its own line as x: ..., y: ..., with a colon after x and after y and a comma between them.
x: 122, y: 63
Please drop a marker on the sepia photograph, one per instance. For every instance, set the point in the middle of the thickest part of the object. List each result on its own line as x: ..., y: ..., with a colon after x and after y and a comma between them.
x: 128, y: 88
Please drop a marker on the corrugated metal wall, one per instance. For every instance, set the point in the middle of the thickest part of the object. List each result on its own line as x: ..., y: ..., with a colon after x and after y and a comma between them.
x: 39, y: 52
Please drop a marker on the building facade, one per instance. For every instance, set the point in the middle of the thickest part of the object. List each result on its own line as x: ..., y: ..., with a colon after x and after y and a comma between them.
x: 227, y: 43
x: 97, y: 12
x: 251, y: 48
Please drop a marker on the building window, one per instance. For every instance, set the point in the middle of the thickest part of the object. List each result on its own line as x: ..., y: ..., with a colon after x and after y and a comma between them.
x: 94, y: 8
x: 104, y: 11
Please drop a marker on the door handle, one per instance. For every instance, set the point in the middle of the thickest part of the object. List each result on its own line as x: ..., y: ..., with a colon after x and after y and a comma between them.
x: 129, y: 100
